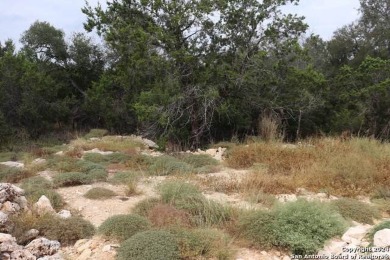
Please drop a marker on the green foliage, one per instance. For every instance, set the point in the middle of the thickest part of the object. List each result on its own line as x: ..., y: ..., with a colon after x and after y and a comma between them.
x: 123, y: 177
x: 198, y: 160
x: 171, y: 191
x: 144, y: 206
x: 99, y: 193
x: 13, y: 174
x: 106, y: 159
x: 150, y: 245
x: 123, y: 227
x: 356, y: 210
x: 71, y: 179
x: 301, y: 226
x: 36, y: 182
x: 96, y: 133
x: 167, y: 165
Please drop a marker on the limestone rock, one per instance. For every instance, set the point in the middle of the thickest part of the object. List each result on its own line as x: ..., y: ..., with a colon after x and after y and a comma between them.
x: 287, y: 197
x: 354, y: 235
x: 39, y: 161
x: 10, y: 207
x: 22, y: 254
x: 43, y: 206
x: 9, y: 192
x: 99, y: 151
x: 9, y: 246
x: 64, y: 214
x: 6, y: 238
x: 13, y: 164
x: 43, y: 246
x: 382, y: 238
x: 150, y: 143
x: 52, y: 257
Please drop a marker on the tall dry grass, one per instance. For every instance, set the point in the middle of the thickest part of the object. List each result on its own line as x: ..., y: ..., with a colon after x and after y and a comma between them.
x: 347, y: 168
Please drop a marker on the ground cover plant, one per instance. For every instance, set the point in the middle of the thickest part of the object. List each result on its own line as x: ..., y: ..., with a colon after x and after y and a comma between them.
x: 122, y: 227
x: 99, y: 193
x: 13, y: 174
x: 168, y: 165
x: 344, y: 168
x: 157, y: 245
x: 109, y: 143
x: 302, y: 226
x: 106, y: 159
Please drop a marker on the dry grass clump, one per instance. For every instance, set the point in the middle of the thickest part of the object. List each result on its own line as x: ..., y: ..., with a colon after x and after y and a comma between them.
x: 13, y: 174
x: 109, y: 143
x: 356, y: 210
x: 99, y: 193
x: 96, y: 133
x: 354, y: 167
x: 165, y: 215
x: 220, y: 184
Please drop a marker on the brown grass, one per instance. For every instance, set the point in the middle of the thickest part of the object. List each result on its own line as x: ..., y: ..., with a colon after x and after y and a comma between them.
x: 109, y: 143
x: 164, y: 215
x: 349, y: 168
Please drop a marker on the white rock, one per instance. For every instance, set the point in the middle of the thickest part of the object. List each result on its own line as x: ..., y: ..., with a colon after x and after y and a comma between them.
x: 43, y: 246
x: 60, y: 153
x: 106, y: 248
x: 43, y: 206
x: 354, y: 235
x: 52, y: 257
x: 382, y: 238
x: 13, y: 164
x: 95, y: 150
x: 6, y: 237
x: 22, y: 254
x: 22, y: 202
x: 39, y: 161
x: 149, y: 143
x: 286, y: 258
x: 64, y: 214
x: 333, y: 246
x: 10, y: 207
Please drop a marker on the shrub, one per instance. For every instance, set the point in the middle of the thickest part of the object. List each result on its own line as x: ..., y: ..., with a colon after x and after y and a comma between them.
x: 97, y: 133
x: 36, y: 182
x: 99, y: 193
x: 203, y: 243
x: 376, y: 228
x: 139, y: 162
x: 71, y: 179
x: 66, y: 231
x: 13, y: 174
x: 123, y: 177
x: 167, y: 165
x: 144, y: 206
x: 301, y: 226
x: 123, y: 227
x: 197, y: 160
x: 381, y: 193
x: 164, y: 215
x: 97, y: 175
x: 304, y: 226
x: 174, y: 190
x: 356, y: 210
x: 109, y: 143
x: 150, y: 245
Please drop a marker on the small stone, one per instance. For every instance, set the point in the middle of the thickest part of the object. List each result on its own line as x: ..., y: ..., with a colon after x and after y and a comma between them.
x: 22, y: 202
x: 6, y: 238
x: 354, y: 235
x: 64, y: 214
x: 28, y: 236
x: 382, y: 238
x: 10, y: 207
x: 43, y: 206
x: 106, y: 248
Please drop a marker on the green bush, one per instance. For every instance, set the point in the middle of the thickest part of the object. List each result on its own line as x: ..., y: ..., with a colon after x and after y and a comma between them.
x: 97, y: 175
x: 69, y: 164
x: 99, y: 193
x: 301, y: 226
x: 304, y: 226
x: 13, y: 174
x: 167, y: 165
x: 123, y: 227
x: 37, y: 182
x: 87, y: 167
x: 97, y: 133
x: 124, y: 177
x: 106, y: 159
x: 71, y: 179
x: 356, y: 210
x: 150, y: 245
x: 376, y: 228
x: 175, y: 190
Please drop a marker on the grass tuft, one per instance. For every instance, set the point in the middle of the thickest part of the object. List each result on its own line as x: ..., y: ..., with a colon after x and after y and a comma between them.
x: 168, y: 165
x: 99, y: 193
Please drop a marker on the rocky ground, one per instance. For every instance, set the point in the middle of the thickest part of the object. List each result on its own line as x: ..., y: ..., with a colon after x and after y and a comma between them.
x: 12, y: 202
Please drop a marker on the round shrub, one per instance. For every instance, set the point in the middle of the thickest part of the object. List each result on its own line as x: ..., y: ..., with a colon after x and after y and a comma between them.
x: 356, y: 210
x: 305, y: 226
x: 166, y: 165
x: 172, y: 191
x: 150, y: 245
x: 97, y: 175
x: 123, y: 227
x: 66, y: 231
x: 99, y: 193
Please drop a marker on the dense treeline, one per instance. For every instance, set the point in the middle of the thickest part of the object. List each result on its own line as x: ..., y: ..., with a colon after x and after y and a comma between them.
x: 191, y: 72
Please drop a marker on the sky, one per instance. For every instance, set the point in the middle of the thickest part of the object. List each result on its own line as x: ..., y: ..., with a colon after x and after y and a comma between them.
x: 323, y: 16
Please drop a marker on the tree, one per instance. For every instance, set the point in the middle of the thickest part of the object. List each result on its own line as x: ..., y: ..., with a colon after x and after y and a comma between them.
x: 184, y: 59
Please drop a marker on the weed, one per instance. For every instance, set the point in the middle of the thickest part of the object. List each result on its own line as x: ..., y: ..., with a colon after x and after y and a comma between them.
x: 167, y: 165
x: 123, y: 227
x: 99, y: 193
